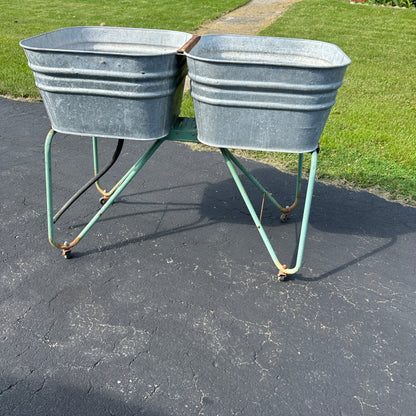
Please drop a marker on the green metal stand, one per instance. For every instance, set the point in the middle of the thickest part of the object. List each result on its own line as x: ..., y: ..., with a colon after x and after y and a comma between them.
x: 283, y: 270
x: 184, y: 130
x: 125, y: 180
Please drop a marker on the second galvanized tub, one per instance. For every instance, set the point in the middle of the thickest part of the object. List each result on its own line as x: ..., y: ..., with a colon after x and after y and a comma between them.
x: 262, y: 93
x: 109, y: 81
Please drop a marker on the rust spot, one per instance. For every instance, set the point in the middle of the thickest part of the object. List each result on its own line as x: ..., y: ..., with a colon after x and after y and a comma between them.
x: 282, y: 270
x: 190, y: 44
x: 65, y: 246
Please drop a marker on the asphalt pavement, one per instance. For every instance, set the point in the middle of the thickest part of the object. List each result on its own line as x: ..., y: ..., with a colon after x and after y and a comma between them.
x: 170, y: 305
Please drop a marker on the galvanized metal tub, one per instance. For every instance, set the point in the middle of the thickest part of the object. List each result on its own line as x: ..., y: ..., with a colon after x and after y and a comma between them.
x: 109, y: 81
x: 262, y: 93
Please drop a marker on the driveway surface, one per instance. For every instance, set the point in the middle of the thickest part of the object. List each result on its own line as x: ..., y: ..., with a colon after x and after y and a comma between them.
x: 171, y: 306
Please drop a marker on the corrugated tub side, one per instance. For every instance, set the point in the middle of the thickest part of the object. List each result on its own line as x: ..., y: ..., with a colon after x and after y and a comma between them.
x: 259, y: 93
x: 109, y: 82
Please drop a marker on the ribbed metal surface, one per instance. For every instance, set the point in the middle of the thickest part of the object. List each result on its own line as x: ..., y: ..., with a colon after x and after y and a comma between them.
x: 109, y: 82
x: 261, y: 93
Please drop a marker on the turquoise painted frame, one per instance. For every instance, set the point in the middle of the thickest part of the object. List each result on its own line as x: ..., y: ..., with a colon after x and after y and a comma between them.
x: 185, y: 130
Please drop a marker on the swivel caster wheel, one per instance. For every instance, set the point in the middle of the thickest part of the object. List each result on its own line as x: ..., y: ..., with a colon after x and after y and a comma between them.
x: 67, y: 254
x: 103, y: 200
x: 285, y: 215
x: 281, y: 276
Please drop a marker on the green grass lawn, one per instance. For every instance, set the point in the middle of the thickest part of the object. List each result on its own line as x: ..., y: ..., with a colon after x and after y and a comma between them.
x: 20, y: 19
x: 370, y: 137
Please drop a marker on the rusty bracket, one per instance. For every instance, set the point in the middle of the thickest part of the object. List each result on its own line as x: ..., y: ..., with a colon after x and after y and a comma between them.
x: 282, y: 273
x: 190, y: 44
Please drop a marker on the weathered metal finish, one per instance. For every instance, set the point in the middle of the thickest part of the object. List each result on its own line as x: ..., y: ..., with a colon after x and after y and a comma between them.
x: 118, y: 189
x: 261, y: 93
x: 306, y: 212
x: 283, y: 269
x: 185, y: 130
x: 190, y: 44
x: 286, y: 211
x: 96, y: 167
x: 265, y: 192
x: 272, y: 94
x: 109, y: 82
x: 97, y: 173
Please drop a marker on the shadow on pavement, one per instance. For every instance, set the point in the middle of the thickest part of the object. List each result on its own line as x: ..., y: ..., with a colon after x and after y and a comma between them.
x: 44, y: 396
